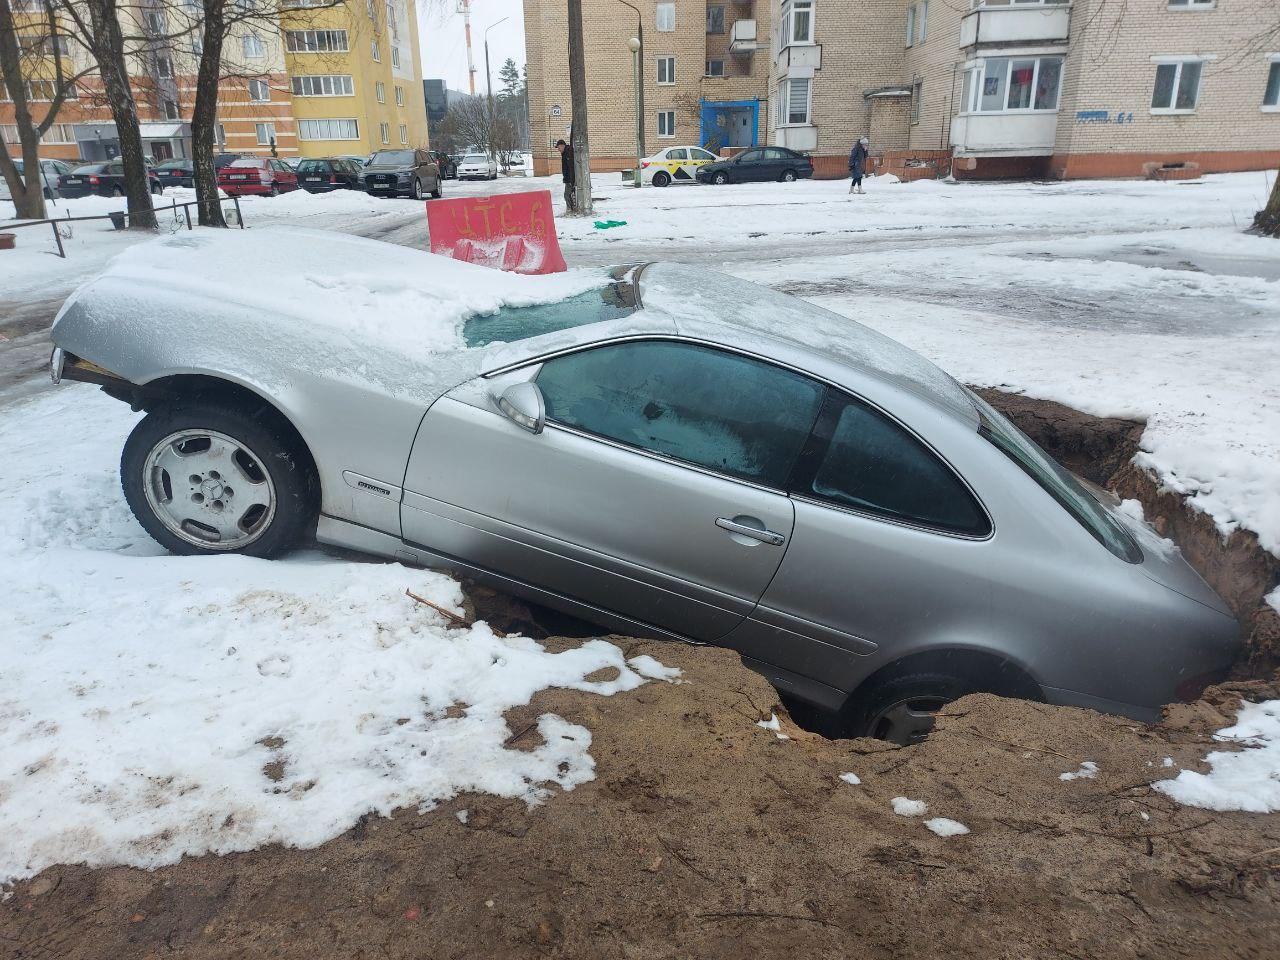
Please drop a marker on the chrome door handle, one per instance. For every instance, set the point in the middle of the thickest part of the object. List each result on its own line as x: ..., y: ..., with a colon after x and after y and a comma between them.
x: 755, y: 533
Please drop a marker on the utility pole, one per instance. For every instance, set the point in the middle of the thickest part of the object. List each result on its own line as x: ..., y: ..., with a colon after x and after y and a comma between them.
x: 466, y: 23
x: 488, y: 81
x: 639, y: 77
x: 578, y: 99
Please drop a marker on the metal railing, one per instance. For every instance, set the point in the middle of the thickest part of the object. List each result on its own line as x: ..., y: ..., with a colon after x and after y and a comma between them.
x: 119, y: 218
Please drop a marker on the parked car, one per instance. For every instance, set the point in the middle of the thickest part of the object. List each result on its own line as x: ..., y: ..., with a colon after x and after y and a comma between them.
x: 867, y: 533
x: 177, y: 173
x: 104, y: 179
x: 291, y: 162
x: 448, y: 166
x: 758, y: 164
x: 359, y: 161
x: 257, y: 176
x: 402, y: 173
x: 675, y: 165
x: 477, y: 166
x: 226, y: 159
x: 51, y: 172
x: 323, y: 176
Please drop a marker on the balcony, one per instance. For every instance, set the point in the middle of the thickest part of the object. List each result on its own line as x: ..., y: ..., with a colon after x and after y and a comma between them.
x: 1024, y: 133
x: 742, y: 37
x: 1017, y: 24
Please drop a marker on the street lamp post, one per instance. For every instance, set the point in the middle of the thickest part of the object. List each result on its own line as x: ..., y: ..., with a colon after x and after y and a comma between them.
x: 634, y: 44
x: 488, y: 81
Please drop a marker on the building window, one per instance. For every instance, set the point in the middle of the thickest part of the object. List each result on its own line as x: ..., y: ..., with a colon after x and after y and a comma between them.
x: 911, y: 25
x: 315, y: 41
x: 259, y: 91
x: 266, y: 133
x: 666, y: 123
x: 666, y: 70
x: 917, y: 92
x: 1271, y: 97
x: 395, y: 56
x: 380, y: 91
x: 715, y: 19
x: 253, y: 46
x: 170, y: 110
x: 666, y: 14
x: 1004, y: 84
x: 44, y: 90
x: 328, y: 130
x: 404, y: 133
x: 57, y: 133
x: 384, y: 132
x: 797, y: 22
x: 715, y: 68
x: 323, y: 85
x: 399, y: 95
x: 1177, y: 86
x: 1192, y: 4
x: 923, y: 24
x: 796, y: 93
x: 373, y: 49
x: 164, y: 67
x: 155, y: 22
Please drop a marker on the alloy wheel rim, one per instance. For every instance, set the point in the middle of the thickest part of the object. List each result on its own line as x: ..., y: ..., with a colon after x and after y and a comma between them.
x: 209, y: 489
x: 907, y: 721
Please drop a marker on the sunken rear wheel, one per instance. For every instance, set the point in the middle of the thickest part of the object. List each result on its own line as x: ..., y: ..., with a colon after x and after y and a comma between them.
x: 217, y: 478
x: 661, y: 179
x: 901, y: 709
x: 788, y: 176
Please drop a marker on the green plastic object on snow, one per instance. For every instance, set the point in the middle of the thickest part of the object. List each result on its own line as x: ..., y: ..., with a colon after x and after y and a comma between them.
x: 606, y: 224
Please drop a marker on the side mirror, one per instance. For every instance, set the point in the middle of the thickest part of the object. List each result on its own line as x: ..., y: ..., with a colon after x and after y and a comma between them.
x: 522, y: 404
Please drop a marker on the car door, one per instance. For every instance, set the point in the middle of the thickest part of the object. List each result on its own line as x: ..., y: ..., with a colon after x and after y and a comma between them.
x: 655, y: 490
x: 750, y: 166
x: 888, y: 551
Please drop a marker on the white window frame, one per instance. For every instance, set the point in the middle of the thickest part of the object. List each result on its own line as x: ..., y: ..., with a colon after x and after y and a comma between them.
x: 259, y: 91
x: 308, y: 41
x: 384, y: 132
x: 395, y: 56
x: 979, y: 70
x: 269, y: 129
x: 786, y: 90
x: 917, y: 95
x: 380, y: 91
x: 922, y: 25
x: 708, y: 73
x: 669, y: 116
x: 404, y: 133
x: 788, y: 36
x: 724, y: 19
x: 911, y: 26
x: 670, y: 63
x: 399, y: 95
x: 315, y: 84
x: 308, y: 127
x: 374, y: 51
x: 664, y: 15
x: 171, y: 111
x: 253, y: 47
x: 1163, y: 61
x: 1273, y: 66
x: 1187, y: 6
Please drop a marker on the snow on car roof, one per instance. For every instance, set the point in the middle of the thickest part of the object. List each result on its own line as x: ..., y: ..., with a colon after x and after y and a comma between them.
x: 696, y: 296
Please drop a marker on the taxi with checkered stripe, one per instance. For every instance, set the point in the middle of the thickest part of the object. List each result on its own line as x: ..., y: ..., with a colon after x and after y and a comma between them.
x: 674, y: 165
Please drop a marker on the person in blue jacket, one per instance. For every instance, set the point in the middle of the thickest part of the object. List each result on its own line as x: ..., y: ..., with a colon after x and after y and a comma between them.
x: 858, y: 164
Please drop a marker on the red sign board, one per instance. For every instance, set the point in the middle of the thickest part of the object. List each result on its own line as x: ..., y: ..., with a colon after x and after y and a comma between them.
x: 513, y: 231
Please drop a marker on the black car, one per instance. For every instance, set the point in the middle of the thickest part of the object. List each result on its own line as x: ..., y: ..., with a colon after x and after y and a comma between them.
x: 332, y: 173
x: 759, y: 164
x: 448, y: 166
x: 404, y: 172
x: 177, y: 173
x: 104, y: 179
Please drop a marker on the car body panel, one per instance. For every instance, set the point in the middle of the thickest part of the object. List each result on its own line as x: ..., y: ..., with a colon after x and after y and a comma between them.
x: 680, y: 164
x: 387, y: 174
x: 477, y: 167
x: 50, y: 173
x: 256, y: 176
x: 758, y: 165
x: 102, y: 179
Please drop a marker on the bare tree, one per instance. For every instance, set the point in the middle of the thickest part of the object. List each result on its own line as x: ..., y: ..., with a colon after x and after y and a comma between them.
x: 578, y: 98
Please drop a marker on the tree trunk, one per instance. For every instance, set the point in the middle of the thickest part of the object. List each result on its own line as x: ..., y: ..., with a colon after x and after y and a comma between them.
x: 578, y: 98
x: 108, y: 50
x: 204, y: 116
x: 1267, y: 220
x: 27, y: 190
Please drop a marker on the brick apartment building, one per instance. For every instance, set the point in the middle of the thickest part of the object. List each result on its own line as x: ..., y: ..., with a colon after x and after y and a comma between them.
x: 303, y: 82
x: 982, y: 88
x: 706, y: 68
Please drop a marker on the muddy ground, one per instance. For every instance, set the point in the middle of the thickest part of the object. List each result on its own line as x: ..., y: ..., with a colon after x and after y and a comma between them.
x: 704, y: 835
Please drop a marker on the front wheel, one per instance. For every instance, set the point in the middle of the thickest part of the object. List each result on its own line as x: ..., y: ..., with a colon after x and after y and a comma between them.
x: 720, y: 178
x: 417, y: 189
x: 788, y: 176
x: 438, y: 192
x: 215, y: 478
x: 661, y: 179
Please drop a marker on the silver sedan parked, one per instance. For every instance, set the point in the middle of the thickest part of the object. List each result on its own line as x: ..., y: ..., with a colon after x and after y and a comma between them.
x: 671, y: 453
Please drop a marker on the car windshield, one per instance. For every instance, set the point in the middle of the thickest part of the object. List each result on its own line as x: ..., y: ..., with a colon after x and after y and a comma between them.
x: 1057, y: 481
x: 392, y: 158
x: 520, y: 323
x: 313, y: 166
x: 474, y: 158
x: 90, y: 168
x: 173, y: 165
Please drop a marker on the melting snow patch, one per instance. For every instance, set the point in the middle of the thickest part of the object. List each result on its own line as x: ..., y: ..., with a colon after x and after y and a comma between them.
x: 851, y: 778
x: 651, y: 669
x: 771, y: 724
x: 946, y: 828
x: 462, y: 815
x: 904, y: 807
x: 1088, y: 770
x: 1247, y: 779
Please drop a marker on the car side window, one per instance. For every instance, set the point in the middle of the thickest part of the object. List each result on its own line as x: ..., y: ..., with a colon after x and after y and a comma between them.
x: 751, y: 156
x: 873, y: 465
x: 699, y: 154
x: 677, y: 153
x: 775, y: 153
x: 708, y: 407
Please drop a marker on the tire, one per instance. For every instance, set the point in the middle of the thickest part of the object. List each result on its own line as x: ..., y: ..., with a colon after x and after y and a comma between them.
x: 438, y: 192
x: 662, y: 179
x: 274, y: 191
x: 900, y: 708
x: 417, y: 189
x: 788, y: 176
x: 117, y: 192
x: 170, y: 474
x: 720, y: 178
x: 157, y: 190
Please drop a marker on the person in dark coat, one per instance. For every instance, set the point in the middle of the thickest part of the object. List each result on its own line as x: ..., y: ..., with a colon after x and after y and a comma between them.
x: 858, y: 165
x: 567, y: 174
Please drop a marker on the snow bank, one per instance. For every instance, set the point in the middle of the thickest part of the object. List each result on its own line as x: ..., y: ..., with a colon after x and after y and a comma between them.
x: 1247, y: 779
x: 153, y: 706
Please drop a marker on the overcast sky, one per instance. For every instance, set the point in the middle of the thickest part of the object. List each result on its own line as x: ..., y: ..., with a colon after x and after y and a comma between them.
x: 441, y: 36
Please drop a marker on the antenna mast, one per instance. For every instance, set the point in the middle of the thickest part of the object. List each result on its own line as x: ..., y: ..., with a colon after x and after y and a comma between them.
x: 465, y: 7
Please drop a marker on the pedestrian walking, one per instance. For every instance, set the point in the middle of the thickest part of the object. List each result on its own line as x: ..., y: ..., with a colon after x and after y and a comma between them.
x: 567, y: 174
x: 858, y: 165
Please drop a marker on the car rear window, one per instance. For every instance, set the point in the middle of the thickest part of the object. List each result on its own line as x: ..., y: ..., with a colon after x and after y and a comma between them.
x: 313, y: 166
x: 249, y: 162
x: 90, y: 168
x: 520, y: 323
x: 474, y: 158
x: 1057, y: 481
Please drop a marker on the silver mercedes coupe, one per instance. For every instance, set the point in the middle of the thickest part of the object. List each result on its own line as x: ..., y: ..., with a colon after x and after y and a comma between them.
x: 663, y: 450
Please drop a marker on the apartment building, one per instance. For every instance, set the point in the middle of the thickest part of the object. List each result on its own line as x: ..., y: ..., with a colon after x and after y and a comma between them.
x: 300, y: 81
x: 1046, y: 88
x: 705, y: 67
